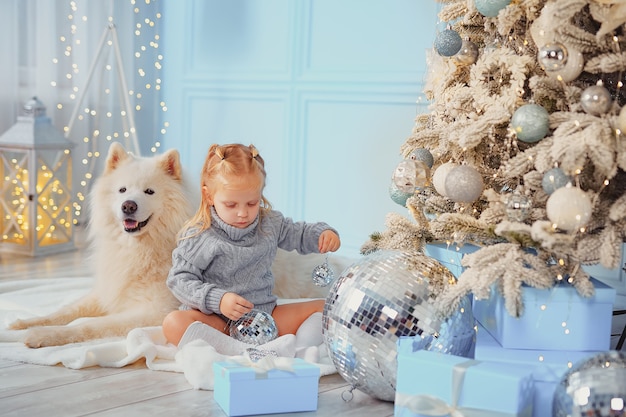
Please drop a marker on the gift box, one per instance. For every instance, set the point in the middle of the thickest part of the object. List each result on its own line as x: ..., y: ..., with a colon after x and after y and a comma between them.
x: 429, y: 382
x: 243, y: 389
x: 547, y: 366
x: 557, y: 318
x: 450, y: 255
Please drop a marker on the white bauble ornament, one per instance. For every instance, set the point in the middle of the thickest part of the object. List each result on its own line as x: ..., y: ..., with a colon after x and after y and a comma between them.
x: 464, y: 184
x: 569, y: 208
x: 439, y: 177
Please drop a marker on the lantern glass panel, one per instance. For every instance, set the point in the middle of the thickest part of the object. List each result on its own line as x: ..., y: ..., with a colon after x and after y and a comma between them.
x: 54, y: 200
x: 14, y: 196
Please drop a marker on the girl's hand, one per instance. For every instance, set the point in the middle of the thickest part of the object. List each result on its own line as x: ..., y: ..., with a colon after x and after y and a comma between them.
x: 234, y: 306
x: 329, y: 241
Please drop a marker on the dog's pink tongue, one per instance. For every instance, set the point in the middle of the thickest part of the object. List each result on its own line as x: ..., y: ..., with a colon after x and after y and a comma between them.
x: 130, y: 224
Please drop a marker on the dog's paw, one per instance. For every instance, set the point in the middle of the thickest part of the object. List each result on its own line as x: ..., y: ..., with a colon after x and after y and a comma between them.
x: 37, y: 337
x: 18, y: 325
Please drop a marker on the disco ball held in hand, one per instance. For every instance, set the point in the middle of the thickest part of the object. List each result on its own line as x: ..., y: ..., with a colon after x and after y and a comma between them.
x: 256, y: 327
x: 381, y: 297
x: 593, y: 387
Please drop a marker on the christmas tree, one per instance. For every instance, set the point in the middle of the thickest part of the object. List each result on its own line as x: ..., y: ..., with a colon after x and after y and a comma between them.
x: 522, y: 150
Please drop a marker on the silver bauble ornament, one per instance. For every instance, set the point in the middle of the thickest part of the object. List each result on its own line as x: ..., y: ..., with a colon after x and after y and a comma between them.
x: 323, y: 274
x: 468, y: 54
x: 381, y: 297
x: 256, y: 327
x: 553, y: 56
x: 593, y: 387
x: 596, y: 100
x: 464, y: 184
x: 572, y: 68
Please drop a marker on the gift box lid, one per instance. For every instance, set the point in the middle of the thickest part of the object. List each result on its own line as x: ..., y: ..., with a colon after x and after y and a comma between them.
x: 546, y: 365
x: 449, y: 253
x: 288, y: 368
x: 486, y: 385
x: 564, y: 292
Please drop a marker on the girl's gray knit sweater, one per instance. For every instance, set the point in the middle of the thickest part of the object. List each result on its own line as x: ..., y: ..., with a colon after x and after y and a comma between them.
x: 225, y: 259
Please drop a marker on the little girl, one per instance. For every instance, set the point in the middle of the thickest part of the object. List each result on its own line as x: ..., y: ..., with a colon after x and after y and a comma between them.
x: 221, y: 268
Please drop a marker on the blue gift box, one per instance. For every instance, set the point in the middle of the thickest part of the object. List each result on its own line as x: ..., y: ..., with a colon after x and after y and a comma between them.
x: 450, y: 255
x: 553, y: 319
x: 434, y: 380
x: 547, y: 366
x: 244, y: 390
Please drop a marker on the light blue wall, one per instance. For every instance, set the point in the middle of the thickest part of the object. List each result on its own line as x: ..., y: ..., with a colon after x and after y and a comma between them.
x: 325, y: 89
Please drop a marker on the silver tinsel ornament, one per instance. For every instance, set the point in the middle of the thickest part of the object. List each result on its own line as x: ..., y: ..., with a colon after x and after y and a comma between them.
x: 256, y: 327
x: 593, y: 387
x: 381, y: 297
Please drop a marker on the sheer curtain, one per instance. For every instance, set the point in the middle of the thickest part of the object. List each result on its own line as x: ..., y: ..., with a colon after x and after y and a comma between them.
x: 95, y: 65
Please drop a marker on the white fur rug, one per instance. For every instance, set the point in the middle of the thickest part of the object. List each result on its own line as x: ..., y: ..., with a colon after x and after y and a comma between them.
x: 25, y: 298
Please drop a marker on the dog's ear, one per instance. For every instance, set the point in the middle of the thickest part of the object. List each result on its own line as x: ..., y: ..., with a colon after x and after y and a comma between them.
x: 116, y: 155
x: 170, y: 163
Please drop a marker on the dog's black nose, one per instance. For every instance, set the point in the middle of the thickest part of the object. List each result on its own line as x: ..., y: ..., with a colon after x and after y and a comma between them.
x: 129, y: 207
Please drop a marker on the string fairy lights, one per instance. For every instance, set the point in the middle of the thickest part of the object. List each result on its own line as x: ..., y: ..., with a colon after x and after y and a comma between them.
x: 112, y: 89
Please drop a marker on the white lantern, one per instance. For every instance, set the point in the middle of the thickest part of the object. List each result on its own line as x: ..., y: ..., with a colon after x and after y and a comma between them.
x: 36, y: 192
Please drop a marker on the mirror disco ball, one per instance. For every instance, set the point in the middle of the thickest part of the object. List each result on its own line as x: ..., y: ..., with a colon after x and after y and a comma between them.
x: 256, y: 327
x: 595, y: 386
x: 378, y: 299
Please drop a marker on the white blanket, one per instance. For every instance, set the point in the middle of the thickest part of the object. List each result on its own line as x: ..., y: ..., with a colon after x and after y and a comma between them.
x: 26, y: 298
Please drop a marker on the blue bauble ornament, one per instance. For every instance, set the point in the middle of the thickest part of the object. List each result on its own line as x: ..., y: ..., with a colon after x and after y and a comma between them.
x: 448, y: 42
x: 398, y: 196
x: 490, y: 8
x: 424, y: 156
x: 554, y: 179
x: 531, y: 123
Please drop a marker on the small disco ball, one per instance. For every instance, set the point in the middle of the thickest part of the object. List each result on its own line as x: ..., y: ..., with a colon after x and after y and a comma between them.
x: 381, y: 297
x: 256, y: 327
x: 593, y: 387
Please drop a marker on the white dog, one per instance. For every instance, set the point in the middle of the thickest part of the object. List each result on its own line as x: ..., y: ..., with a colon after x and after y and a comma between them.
x: 137, y: 207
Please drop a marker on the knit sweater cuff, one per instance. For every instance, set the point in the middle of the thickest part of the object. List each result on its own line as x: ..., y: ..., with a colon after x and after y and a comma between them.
x: 213, y: 300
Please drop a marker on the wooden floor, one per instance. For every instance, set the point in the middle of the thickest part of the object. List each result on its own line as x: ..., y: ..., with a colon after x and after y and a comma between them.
x: 55, y: 391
